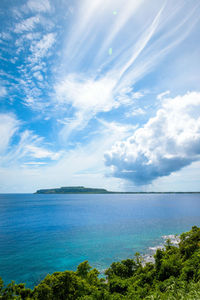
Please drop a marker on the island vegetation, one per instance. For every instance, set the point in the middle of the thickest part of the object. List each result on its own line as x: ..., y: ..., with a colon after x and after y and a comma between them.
x: 86, y: 190
x: 73, y: 190
x: 175, y: 274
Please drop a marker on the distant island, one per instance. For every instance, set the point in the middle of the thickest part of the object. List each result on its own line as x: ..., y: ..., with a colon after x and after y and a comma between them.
x: 73, y: 190
x: 86, y: 190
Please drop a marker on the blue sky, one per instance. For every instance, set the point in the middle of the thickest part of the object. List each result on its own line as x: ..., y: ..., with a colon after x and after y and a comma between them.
x: 101, y: 94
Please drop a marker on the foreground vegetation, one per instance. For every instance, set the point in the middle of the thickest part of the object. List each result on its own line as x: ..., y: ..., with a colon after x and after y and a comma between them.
x: 174, y: 275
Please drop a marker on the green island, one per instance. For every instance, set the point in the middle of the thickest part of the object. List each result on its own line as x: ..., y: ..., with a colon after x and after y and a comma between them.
x: 175, y: 274
x: 73, y: 190
x: 86, y: 190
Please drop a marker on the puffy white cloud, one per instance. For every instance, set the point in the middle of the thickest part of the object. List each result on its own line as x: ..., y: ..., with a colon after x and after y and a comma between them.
x: 165, y: 144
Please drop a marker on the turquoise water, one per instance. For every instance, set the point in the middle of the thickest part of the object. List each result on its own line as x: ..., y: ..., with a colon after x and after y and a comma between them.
x: 40, y: 234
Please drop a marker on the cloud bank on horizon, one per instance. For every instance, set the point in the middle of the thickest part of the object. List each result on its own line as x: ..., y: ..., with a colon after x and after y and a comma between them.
x: 99, y: 93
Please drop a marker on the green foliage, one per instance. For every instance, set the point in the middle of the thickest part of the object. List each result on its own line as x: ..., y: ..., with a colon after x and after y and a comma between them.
x: 83, y: 269
x: 174, y: 275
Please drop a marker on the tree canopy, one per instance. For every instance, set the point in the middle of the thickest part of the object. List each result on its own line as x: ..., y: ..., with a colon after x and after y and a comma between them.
x: 174, y: 275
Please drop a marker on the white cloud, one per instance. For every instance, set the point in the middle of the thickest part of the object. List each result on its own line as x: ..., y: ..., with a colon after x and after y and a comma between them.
x: 167, y: 143
x: 71, y: 167
x: 137, y: 95
x: 33, y: 36
x: 35, y: 163
x: 126, y: 12
x: 162, y: 95
x: 28, y: 147
x: 3, y: 91
x: 89, y: 81
x: 142, y: 43
x: 92, y: 17
x: 40, y: 48
x: 108, y: 81
x: 86, y: 94
x: 39, y: 152
x: 135, y: 112
x: 27, y: 25
x: 38, y: 76
x: 126, y: 95
x: 88, y: 97
x: 39, y: 5
x: 8, y: 126
x: 5, y: 36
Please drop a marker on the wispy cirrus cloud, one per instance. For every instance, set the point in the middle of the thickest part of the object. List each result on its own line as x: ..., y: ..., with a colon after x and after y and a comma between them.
x: 8, y: 126
x: 29, y: 146
x: 40, y: 152
x: 142, y: 52
x: 163, y: 94
x: 82, y: 73
x: 83, y: 163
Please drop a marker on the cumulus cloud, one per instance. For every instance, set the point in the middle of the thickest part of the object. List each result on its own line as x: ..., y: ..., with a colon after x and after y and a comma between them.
x: 165, y: 144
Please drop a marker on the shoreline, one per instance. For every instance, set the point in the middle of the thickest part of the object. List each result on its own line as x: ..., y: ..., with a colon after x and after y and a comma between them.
x: 149, y: 257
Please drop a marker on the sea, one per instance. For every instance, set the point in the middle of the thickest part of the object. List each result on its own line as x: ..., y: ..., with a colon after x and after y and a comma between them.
x: 41, y: 234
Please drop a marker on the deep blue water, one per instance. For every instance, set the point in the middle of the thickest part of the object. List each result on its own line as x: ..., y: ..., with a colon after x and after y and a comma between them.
x: 40, y: 234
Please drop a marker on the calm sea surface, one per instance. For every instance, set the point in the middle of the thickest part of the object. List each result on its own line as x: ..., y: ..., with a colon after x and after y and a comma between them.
x: 40, y: 234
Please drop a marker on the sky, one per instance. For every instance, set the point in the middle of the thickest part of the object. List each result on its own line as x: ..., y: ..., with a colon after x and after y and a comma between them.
x: 100, y: 94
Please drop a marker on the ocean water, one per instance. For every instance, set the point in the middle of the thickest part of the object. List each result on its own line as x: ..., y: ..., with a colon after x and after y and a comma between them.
x: 41, y: 234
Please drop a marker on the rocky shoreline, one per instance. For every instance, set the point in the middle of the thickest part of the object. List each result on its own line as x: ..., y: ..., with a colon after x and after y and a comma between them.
x: 149, y: 257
